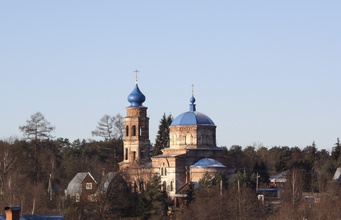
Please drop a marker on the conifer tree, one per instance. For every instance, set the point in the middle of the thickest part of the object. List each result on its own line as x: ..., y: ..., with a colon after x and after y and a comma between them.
x: 150, y: 200
x: 162, y: 137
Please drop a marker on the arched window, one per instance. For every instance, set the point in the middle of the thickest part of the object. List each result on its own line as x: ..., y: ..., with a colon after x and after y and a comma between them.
x: 161, y: 171
x: 134, y: 130
x: 173, y: 139
x: 126, y: 154
x: 165, y: 171
x: 127, y: 130
x: 188, y: 139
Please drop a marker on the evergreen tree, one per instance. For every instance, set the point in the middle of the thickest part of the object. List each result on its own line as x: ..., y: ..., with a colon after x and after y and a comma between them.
x: 190, y: 192
x: 220, y: 177
x: 151, y: 199
x: 206, y: 182
x: 162, y: 137
x: 336, y: 152
x: 262, y: 172
x: 243, y: 179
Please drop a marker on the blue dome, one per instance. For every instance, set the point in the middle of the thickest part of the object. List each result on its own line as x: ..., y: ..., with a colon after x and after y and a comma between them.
x: 207, y: 162
x: 136, y: 97
x: 192, y: 117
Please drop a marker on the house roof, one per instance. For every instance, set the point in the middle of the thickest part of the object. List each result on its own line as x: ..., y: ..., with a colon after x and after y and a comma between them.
x: 280, y: 177
x: 75, y: 185
x: 337, y: 174
x: 106, y: 181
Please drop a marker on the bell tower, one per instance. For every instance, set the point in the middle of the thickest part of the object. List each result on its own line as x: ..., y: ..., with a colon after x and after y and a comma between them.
x: 136, y: 142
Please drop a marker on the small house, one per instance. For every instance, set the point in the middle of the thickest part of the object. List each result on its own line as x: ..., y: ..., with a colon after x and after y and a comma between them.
x: 82, y: 187
x: 279, y: 179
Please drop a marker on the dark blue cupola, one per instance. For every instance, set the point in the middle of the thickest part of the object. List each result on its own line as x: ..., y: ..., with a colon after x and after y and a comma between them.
x: 136, y: 97
x: 192, y: 105
x: 192, y: 117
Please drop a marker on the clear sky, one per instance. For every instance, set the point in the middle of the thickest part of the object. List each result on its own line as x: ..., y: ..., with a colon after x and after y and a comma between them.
x: 266, y: 72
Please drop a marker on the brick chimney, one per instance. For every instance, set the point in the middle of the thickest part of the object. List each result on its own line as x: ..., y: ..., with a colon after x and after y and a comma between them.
x: 12, y: 212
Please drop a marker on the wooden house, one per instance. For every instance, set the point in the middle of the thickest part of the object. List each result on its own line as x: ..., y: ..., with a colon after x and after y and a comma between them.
x: 82, y: 187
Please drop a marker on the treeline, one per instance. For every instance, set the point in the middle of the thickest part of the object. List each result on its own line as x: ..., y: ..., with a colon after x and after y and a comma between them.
x: 318, y: 165
x: 34, y: 174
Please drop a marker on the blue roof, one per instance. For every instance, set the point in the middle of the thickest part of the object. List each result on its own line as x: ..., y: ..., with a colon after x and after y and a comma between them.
x: 136, y: 97
x: 207, y: 162
x: 192, y: 117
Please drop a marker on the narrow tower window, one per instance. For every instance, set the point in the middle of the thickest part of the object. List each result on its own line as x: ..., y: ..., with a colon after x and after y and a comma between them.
x: 134, y: 130
x: 127, y: 130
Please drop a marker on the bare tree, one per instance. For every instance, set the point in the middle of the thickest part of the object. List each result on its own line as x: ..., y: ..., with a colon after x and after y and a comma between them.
x: 294, y: 186
x: 118, y: 126
x: 37, y: 128
x: 235, y: 203
x: 7, y: 160
x: 109, y: 127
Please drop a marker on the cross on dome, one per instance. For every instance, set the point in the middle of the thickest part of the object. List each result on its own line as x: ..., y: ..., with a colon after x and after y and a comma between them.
x: 136, y: 71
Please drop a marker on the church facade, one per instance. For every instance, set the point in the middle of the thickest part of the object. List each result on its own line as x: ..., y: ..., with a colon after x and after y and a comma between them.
x: 192, y: 151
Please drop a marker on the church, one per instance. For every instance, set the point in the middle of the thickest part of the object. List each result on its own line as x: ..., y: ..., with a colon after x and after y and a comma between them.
x: 191, y: 153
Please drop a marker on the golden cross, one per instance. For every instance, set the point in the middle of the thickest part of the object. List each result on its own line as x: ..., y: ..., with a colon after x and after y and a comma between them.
x: 136, y: 71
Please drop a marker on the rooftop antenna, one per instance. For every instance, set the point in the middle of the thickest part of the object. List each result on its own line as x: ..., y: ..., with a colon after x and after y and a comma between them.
x: 136, y: 71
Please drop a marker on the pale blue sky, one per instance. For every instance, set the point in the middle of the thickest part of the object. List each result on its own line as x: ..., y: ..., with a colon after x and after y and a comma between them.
x: 266, y: 72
